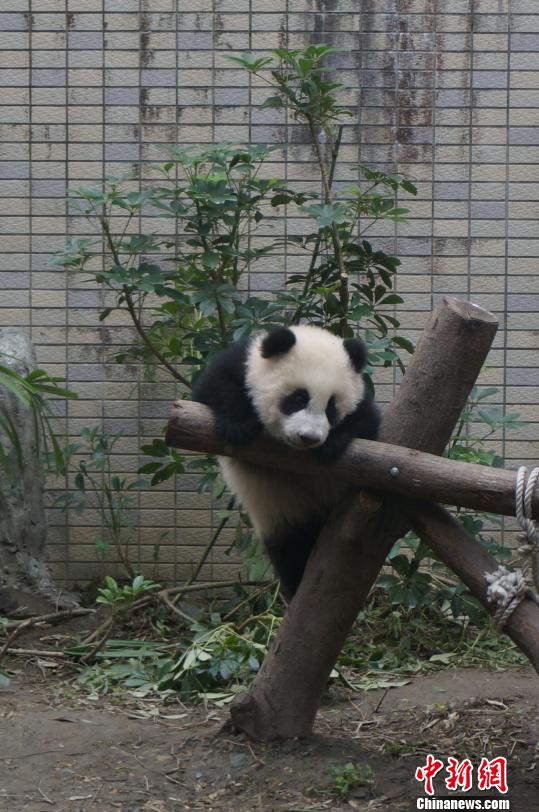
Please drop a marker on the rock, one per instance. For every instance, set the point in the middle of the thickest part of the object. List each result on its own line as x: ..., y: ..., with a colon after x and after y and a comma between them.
x: 23, y: 532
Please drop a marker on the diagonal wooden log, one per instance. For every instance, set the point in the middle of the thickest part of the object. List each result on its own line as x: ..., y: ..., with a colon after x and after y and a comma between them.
x: 366, y: 463
x: 470, y: 561
x: 354, y: 544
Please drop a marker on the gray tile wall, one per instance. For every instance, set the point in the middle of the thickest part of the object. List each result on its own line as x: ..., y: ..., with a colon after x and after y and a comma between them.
x: 446, y: 90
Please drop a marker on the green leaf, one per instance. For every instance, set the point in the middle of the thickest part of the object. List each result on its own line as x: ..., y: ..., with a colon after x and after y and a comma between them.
x: 325, y: 214
x: 210, y: 260
x: 409, y: 187
x: 274, y: 102
x: 150, y: 468
x: 387, y: 581
x: 251, y: 62
x: 404, y: 343
x: 158, y: 448
x: 79, y: 482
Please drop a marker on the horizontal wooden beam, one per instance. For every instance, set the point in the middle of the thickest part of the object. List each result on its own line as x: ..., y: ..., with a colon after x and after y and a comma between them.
x: 366, y: 463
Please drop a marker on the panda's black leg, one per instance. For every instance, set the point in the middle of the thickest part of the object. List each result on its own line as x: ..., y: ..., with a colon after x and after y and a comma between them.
x: 289, y: 550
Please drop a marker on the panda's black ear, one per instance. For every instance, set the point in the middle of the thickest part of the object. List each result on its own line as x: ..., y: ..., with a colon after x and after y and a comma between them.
x: 277, y: 342
x: 357, y: 352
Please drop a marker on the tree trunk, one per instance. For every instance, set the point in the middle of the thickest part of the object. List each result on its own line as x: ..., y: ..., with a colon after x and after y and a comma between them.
x: 356, y: 540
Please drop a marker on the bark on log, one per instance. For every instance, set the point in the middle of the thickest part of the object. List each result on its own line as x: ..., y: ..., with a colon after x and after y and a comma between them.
x: 355, y: 542
x: 469, y: 560
x: 365, y: 464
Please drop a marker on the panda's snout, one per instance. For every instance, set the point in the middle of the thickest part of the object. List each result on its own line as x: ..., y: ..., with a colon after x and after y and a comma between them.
x: 309, y: 439
x: 305, y: 429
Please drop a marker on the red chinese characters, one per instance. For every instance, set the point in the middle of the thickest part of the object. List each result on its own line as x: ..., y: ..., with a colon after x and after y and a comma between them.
x: 427, y: 772
x: 493, y: 774
x: 459, y: 774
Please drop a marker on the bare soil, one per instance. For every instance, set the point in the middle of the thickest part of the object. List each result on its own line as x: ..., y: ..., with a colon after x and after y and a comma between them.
x: 61, y: 751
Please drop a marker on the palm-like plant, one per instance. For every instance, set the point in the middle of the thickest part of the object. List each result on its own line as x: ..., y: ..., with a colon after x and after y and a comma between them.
x: 33, y: 389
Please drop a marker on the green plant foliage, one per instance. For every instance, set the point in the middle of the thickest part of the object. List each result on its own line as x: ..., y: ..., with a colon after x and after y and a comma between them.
x: 216, y: 199
x: 96, y: 486
x: 417, y: 576
x: 214, y: 658
x: 185, y: 294
x: 214, y: 664
x: 120, y: 598
x: 328, y: 294
x: 34, y: 390
x: 350, y: 776
x: 136, y: 665
x: 391, y: 643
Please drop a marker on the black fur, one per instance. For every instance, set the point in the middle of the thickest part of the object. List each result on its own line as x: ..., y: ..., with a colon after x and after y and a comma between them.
x: 331, y: 411
x: 295, y: 402
x: 277, y: 342
x: 362, y: 423
x: 221, y: 386
x: 289, y: 550
x: 357, y: 352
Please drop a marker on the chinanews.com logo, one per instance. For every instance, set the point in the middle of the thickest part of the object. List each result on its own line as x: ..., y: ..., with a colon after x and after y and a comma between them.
x: 459, y: 777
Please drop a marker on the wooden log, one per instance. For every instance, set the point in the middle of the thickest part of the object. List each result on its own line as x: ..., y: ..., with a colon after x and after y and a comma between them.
x: 470, y: 561
x: 351, y: 549
x: 366, y: 464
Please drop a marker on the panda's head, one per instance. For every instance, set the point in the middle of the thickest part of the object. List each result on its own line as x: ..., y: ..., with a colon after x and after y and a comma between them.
x: 303, y: 381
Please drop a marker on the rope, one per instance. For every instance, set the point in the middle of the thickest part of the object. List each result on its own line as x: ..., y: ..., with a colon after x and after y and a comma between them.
x: 508, y: 589
x: 529, y: 549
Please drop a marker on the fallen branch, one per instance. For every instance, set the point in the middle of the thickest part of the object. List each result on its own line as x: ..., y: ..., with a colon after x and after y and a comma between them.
x: 50, y: 617
x: 178, y: 591
x: 170, y: 607
x: 13, y: 636
x: 36, y: 652
x: 100, y: 636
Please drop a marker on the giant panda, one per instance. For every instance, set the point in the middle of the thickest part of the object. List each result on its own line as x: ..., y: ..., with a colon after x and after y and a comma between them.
x: 303, y: 386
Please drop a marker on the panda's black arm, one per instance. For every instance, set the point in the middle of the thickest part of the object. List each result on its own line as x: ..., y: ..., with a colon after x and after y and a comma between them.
x: 362, y: 423
x: 221, y: 386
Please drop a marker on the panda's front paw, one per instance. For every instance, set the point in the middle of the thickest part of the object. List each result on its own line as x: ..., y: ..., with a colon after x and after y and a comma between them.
x: 238, y: 433
x: 333, y: 448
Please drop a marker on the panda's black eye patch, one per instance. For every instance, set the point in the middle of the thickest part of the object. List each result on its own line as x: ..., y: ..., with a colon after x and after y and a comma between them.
x: 331, y: 411
x: 295, y: 402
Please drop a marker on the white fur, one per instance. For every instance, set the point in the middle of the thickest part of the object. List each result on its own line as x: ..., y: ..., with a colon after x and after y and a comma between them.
x: 273, y: 498
x: 319, y: 363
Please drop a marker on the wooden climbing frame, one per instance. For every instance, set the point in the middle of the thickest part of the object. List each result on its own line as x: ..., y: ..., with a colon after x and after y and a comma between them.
x: 405, y: 476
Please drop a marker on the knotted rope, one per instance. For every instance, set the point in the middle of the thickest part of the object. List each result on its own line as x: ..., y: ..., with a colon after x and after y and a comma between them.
x: 508, y: 589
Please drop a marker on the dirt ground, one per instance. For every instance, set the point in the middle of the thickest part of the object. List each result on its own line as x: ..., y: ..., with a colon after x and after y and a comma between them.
x: 61, y: 751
